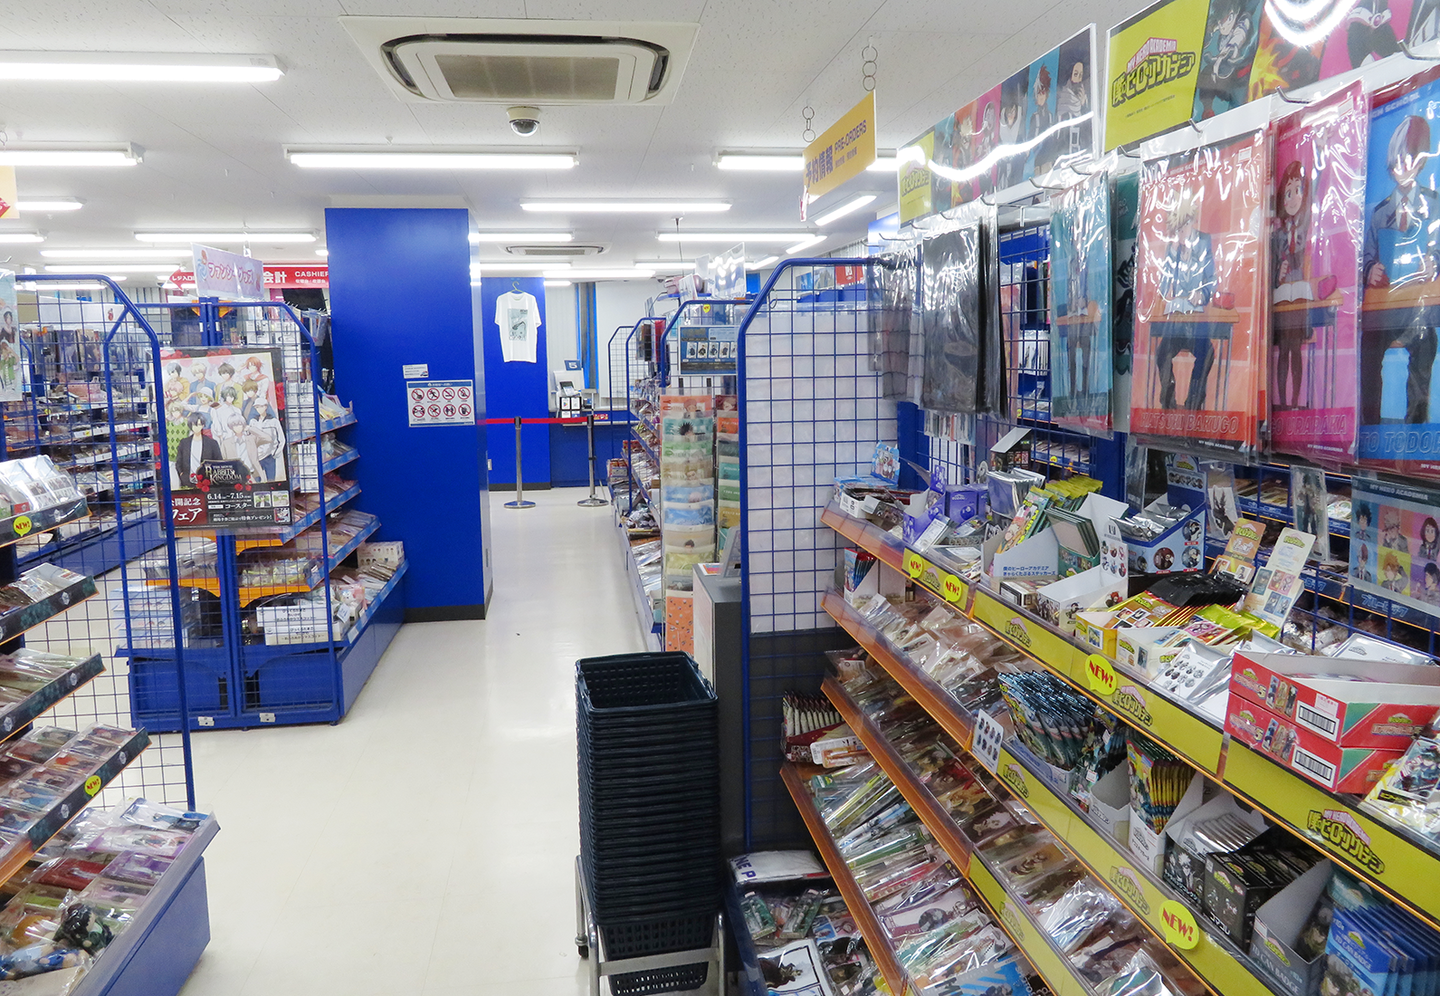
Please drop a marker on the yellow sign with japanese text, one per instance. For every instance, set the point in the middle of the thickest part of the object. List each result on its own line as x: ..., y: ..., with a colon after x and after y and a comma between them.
x: 1154, y: 66
x: 913, y: 176
x: 843, y: 152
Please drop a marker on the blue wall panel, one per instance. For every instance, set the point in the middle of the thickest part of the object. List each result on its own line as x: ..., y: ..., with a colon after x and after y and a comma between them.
x: 516, y: 388
x: 400, y: 293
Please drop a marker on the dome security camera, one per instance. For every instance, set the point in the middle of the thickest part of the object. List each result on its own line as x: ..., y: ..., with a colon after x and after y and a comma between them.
x: 524, y: 121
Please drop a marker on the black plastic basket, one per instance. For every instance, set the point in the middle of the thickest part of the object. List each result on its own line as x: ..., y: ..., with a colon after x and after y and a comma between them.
x: 641, y: 692
x: 681, y: 978
x: 639, y: 936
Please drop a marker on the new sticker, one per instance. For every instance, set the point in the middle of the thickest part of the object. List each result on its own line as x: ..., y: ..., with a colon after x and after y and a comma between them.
x: 1100, y: 674
x: 23, y: 525
x: 1179, y: 925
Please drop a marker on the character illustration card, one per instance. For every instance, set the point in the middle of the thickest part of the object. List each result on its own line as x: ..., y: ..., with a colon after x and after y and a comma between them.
x: 1395, y: 543
x: 1315, y: 235
x: 1081, y: 360
x: 1201, y: 312
x: 951, y: 320
x: 1399, y: 383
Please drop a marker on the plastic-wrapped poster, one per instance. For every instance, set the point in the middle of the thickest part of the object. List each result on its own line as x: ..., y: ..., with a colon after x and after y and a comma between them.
x: 1124, y: 215
x: 890, y: 290
x: 224, y: 415
x: 1081, y: 361
x: 1040, y: 114
x: 951, y: 320
x: 984, y: 137
x: 1286, y: 58
x: 1232, y: 35
x: 11, y: 381
x: 1074, y: 102
x: 1315, y: 235
x: 1201, y: 312
x: 948, y: 147
x: 1395, y: 543
x: 1010, y: 170
x: 1399, y: 387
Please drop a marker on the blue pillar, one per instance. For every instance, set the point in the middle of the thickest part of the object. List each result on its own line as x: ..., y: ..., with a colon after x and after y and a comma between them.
x: 516, y: 388
x: 400, y: 294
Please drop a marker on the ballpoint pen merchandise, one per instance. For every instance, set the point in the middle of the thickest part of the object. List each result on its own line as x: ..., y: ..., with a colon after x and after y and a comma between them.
x: 952, y: 319
x: 1201, y: 314
x: 1400, y: 261
x: 1081, y: 361
x: 1315, y: 235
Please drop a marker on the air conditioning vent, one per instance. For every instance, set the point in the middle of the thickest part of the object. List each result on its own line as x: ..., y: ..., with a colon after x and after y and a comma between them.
x: 542, y: 62
x: 555, y: 252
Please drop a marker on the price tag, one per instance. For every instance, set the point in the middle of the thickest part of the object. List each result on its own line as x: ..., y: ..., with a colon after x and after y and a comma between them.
x: 985, y: 742
x: 1101, y: 675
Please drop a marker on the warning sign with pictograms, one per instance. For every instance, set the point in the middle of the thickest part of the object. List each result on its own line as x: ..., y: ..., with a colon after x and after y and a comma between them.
x: 440, y: 402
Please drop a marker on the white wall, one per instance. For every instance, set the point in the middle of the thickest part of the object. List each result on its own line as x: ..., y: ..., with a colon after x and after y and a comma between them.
x: 617, y: 302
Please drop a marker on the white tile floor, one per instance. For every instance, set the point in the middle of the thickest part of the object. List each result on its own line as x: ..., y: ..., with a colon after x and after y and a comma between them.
x: 425, y: 845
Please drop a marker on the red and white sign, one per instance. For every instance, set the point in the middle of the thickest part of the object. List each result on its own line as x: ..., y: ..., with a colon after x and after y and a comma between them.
x: 277, y: 276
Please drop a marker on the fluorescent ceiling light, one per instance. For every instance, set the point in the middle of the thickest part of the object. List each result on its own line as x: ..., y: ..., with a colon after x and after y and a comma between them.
x: 389, y: 157
x: 605, y: 273
x: 322, y: 252
x: 109, y: 268
x: 272, y: 238
x: 557, y: 283
x: 627, y: 207
x: 733, y: 238
x: 523, y: 237
x: 760, y: 264
x: 49, y: 204
x: 762, y: 162
x: 509, y: 267
x: 788, y: 162
x: 813, y: 240
x: 57, y: 285
x: 129, y: 67
x: 849, y: 207
x: 18, y: 238
x: 125, y: 155
x: 115, y: 254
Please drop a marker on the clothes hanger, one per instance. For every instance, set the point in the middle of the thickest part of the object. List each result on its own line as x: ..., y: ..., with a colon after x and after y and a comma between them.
x: 515, y: 286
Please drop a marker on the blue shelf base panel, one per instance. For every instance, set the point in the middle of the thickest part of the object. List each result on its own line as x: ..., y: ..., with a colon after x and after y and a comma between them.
x: 284, y: 685
x: 155, y: 955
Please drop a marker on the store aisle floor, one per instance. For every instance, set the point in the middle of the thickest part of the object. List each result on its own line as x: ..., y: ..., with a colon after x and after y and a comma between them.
x: 425, y: 846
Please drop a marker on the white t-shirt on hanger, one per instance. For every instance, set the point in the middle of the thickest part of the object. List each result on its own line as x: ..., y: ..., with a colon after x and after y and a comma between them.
x: 518, y: 316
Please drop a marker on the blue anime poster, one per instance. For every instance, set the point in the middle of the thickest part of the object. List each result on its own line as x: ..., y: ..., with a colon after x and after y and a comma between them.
x: 1081, y: 361
x: 1040, y: 113
x: 1013, y: 95
x: 1399, y: 382
x: 1231, y: 36
x: 941, y: 186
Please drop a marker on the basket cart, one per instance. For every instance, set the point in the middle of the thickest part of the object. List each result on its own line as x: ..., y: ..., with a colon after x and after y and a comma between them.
x: 648, y: 878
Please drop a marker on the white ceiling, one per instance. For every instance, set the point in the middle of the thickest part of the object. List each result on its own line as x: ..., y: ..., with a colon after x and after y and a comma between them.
x: 213, y: 152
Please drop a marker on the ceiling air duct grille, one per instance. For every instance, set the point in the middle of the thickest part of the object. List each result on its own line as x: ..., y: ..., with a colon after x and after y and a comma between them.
x: 555, y: 252
x: 541, y: 62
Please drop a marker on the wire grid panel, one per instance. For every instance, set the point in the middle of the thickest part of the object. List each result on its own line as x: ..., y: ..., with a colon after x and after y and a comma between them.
x: 92, y: 410
x: 812, y: 411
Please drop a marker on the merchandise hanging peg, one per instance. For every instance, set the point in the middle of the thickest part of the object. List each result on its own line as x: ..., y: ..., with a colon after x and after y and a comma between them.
x: 519, y: 501
x: 590, y: 436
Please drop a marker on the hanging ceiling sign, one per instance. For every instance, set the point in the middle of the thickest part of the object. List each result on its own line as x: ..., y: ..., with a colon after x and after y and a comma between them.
x: 843, y: 152
x: 1187, y: 60
x: 228, y: 275
x: 1039, y: 119
x: 8, y: 193
x: 277, y: 276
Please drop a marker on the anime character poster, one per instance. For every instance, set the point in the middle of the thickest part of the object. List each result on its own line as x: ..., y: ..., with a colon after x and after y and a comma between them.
x: 1399, y: 382
x: 1283, y: 59
x: 1232, y: 34
x: 944, y: 152
x: 1124, y: 217
x: 1010, y: 170
x: 12, y: 381
x: 951, y: 320
x: 1370, y: 30
x: 985, y: 137
x: 1040, y: 114
x: 1423, y: 32
x: 1315, y: 234
x: 1395, y: 543
x: 1075, y: 102
x: 1153, y: 63
x: 1081, y: 361
x: 224, y: 415
x: 1201, y: 314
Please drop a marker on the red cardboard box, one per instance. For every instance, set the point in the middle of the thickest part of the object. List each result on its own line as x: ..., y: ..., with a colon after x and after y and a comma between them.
x: 1352, y: 703
x: 1339, y: 769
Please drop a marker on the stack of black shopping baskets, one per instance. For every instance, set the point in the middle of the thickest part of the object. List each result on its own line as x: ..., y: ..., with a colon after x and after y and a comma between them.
x: 649, y: 816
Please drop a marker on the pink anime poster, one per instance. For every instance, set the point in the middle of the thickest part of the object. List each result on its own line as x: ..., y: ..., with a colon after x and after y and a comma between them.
x: 1369, y: 31
x: 1315, y: 235
x: 985, y: 137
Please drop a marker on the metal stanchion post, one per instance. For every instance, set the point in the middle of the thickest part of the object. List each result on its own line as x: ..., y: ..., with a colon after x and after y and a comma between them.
x: 590, y: 435
x: 519, y: 501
